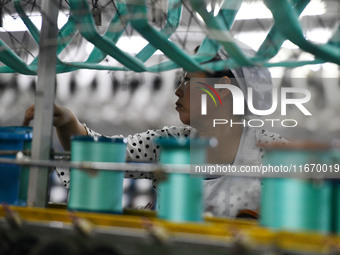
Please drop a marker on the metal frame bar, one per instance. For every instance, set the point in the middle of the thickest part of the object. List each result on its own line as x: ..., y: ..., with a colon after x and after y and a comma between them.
x: 44, y: 98
x: 167, y: 168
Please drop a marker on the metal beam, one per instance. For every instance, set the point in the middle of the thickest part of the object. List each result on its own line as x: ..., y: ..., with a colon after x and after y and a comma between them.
x: 44, y: 98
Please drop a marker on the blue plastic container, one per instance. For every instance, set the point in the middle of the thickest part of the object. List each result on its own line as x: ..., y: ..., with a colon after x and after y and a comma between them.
x: 13, y: 178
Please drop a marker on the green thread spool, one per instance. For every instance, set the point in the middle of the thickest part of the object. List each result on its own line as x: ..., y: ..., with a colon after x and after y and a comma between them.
x: 24, y: 178
x: 336, y: 208
x: 180, y: 196
x: 102, y: 190
x: 336, y: 192
x: 13, y: 188
x: 296, y: 204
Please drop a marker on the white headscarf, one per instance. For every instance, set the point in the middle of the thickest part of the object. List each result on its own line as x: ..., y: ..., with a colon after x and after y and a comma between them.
x: 258, y: 78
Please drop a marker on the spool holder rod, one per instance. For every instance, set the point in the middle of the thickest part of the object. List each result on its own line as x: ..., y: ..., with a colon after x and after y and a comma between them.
x: 159, y: 169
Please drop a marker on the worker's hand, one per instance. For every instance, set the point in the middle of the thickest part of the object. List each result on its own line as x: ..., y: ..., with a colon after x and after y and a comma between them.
x: 64, y: 120
x: 61, y: 116
x: 29, y: 115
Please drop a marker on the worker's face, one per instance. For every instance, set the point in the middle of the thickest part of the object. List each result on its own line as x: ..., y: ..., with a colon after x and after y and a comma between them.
x: 185, y: 92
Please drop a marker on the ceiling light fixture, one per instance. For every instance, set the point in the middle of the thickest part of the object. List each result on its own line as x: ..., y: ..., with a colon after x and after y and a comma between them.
x: 15, y: 24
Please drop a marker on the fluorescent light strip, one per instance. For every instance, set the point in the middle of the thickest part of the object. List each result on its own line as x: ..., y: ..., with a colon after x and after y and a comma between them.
x: 258, y: 10
x: 15, y: 24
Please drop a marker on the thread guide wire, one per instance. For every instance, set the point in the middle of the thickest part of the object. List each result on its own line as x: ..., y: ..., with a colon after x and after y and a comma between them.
x: 280, y: 31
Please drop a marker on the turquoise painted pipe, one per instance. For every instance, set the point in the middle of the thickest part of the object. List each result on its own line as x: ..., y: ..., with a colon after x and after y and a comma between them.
x: 99, y: 191
x: 297, y: 204
x: 180, y: 196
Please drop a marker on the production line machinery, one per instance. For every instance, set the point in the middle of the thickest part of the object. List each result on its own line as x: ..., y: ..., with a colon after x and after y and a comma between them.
x: 25, y: 230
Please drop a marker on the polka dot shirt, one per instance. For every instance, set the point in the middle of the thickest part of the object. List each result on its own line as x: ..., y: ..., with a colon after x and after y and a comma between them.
x: 223, y: 196
x: 140, y: 148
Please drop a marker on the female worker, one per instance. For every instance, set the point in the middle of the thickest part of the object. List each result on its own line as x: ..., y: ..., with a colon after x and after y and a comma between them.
x: 224, y: 196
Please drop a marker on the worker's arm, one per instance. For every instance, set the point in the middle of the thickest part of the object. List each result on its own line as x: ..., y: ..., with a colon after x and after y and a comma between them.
x: 64, y: 120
